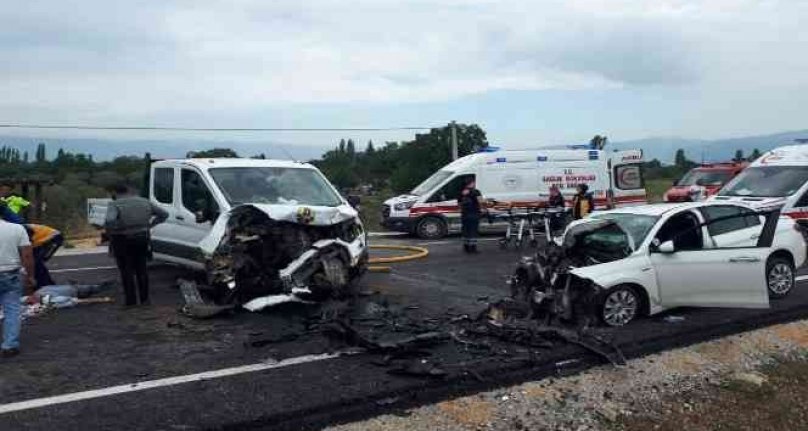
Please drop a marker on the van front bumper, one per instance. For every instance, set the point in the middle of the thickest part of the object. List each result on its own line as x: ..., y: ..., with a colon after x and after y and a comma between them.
x: 399, y: 224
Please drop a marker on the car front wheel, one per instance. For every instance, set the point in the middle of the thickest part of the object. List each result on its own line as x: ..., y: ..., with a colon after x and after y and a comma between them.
x: 779, y: 277
x: 619, y: 306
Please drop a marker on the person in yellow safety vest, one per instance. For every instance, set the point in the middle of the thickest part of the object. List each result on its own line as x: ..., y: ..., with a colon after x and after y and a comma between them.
x: 582, y: 203
x: 45, y: 240
x: 13, y: 202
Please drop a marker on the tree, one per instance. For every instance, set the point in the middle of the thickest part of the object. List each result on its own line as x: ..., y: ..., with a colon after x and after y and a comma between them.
x: 350, y: 148
x: 598, y: 142
x: 342, y: 145
x: 212, y: 154
x: 370, y: 150
x: 755, y: 155
x: 739, y: 156
x: 41, y: 156
x: 680, y: 160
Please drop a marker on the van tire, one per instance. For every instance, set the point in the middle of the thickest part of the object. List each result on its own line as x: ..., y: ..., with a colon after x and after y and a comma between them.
x: 431, y: 228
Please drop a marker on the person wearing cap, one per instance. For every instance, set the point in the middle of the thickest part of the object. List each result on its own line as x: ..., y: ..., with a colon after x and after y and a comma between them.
x: 15, y: 253
x: 582, y: 203
x: 471, y: 208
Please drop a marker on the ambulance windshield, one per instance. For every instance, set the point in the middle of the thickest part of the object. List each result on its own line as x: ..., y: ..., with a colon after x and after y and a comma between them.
x: 767, y: 181
x: 431, y: 183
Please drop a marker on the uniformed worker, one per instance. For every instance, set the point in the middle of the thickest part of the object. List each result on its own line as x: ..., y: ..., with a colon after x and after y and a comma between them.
x: 14, y: 203
x: 582, y: 203
x: 128, y: 222
x: 471, y: 208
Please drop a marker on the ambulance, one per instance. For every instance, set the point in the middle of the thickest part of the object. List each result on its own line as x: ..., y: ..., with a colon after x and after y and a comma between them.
x: 777, y: 179
x: 517, y: 178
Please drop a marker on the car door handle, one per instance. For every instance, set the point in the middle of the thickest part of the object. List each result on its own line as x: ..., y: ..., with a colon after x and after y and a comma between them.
x: 744, y: 259
x: 179, y: 217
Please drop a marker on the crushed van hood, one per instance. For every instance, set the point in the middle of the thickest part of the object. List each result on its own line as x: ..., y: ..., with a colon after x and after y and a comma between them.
x: 300, y: 214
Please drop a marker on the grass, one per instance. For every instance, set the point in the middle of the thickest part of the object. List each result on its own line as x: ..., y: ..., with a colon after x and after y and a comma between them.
x: 371, y: 211
x: 656, y: 188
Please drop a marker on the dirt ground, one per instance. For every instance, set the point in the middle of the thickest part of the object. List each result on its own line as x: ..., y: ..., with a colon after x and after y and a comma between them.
x: 751, y: 381
x: 775, y: 398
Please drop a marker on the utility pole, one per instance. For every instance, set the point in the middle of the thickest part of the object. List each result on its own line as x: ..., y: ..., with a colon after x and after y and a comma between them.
x: 454, y: 140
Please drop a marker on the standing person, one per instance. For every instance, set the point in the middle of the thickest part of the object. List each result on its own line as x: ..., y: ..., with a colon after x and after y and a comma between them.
x: 556, y: 199
x: 128, y: 222
x: 45, y: 240
x: 555, y: 203
x: 15, y: 252
x: 582, y: 203
x: 471, y: 206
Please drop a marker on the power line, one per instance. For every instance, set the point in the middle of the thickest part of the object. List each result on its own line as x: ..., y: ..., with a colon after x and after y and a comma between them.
x: 210, y: 129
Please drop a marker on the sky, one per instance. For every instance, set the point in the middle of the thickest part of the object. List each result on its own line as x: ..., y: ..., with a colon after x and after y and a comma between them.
x: 529, y: 72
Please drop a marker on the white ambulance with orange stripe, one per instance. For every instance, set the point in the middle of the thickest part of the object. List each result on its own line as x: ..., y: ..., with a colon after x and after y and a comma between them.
x: 520, y: 178
x: 777, y: 179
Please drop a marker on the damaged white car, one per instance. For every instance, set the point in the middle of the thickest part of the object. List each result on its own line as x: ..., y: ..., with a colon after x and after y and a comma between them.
x: 259, y: 228
x: 621, y: 264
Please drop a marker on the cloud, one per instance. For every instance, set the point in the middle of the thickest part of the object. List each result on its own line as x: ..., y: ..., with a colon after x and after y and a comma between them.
x: 99, y: 60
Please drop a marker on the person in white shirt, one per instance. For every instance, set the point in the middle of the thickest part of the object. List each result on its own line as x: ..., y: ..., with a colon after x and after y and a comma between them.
x: 15, y: 253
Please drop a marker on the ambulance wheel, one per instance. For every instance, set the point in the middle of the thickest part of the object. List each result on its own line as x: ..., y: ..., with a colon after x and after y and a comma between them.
x: 431, y: 228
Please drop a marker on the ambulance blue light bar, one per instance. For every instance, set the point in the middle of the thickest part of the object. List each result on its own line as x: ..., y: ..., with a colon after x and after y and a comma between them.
x: 541, y: 159
x: 593, y: 154
x: 501, y: 160
x: 488, y: 149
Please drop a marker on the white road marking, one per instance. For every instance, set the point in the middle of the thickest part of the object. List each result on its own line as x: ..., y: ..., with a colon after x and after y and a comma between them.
x: 801, y: 278
x: 89, y: 268
x: 169, y: 381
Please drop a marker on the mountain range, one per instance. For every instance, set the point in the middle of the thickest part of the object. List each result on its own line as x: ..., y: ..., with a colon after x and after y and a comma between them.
x: 661, y: 148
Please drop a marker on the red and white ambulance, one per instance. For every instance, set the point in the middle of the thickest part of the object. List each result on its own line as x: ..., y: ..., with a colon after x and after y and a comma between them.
x: 778, y: 179
x: 519, y: 178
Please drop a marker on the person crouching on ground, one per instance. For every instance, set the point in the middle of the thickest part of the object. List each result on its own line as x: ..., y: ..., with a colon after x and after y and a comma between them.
x: 15, y: 252
x: 471, y: 207
x: 46, y: 241
x: 128, y: 223
x: 582, y: 203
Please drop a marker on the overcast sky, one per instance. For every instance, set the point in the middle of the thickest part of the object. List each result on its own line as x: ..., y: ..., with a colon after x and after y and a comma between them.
x: 528, y: 71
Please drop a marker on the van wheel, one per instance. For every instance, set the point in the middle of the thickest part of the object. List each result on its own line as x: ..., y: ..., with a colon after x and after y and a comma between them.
x: 779, y: 277
x: 431, y: 228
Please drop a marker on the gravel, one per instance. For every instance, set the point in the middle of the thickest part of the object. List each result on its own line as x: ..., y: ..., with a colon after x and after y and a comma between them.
x: 595, y: 399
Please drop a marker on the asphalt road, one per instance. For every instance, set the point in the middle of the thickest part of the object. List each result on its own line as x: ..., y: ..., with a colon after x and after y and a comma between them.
x: 152, y: 368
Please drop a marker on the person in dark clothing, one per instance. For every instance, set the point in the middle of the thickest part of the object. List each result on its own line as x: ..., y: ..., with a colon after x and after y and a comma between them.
x: 128, y: 222
x: 582, y: 203
x: 556, y: 199
x: 555, y: 203
x: 471, y: 207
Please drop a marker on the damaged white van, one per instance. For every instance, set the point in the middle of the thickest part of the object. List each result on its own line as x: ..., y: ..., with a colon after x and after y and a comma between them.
x: 257, y: 227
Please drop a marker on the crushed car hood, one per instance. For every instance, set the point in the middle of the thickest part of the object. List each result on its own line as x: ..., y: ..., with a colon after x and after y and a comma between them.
x: 301, y: 214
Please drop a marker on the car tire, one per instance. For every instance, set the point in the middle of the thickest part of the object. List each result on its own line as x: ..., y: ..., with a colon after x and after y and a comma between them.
x: 431, y: 228
x: 780, y: 276
x: 619, y: 306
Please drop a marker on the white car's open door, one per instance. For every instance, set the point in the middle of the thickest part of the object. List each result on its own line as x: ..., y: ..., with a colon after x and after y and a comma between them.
x: 716, y: 277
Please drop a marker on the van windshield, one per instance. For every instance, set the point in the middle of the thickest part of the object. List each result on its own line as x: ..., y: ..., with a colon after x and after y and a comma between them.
x: 275, y: 185
x: 767, y: 181
x: 430, y: 183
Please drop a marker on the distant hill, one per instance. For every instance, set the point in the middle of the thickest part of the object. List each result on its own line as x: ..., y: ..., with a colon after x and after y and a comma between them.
x: 664, y: 149
x: 107, y: 149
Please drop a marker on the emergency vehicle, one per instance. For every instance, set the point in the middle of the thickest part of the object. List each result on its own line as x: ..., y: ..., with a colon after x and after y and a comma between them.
x: 778, y: 179
x: 520, y: 178
x: 703, y: 181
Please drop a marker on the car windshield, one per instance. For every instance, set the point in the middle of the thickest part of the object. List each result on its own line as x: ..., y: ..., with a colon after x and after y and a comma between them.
x: 636, y: 225
x: 767, y: 181
x: 275, y: 185
x: 431, y: 183
x: 699, y: 177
